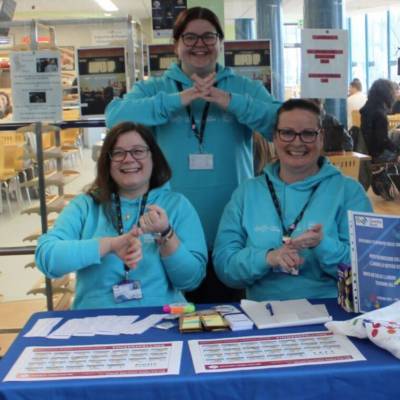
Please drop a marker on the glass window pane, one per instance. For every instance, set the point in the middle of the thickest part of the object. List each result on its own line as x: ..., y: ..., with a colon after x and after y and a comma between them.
x: 377, y: 46
x: 358, y: 69
x: 394, y: 43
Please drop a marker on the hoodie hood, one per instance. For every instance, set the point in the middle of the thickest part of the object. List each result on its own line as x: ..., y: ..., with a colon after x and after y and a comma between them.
x: 327, y: 170
x: 175, y: 73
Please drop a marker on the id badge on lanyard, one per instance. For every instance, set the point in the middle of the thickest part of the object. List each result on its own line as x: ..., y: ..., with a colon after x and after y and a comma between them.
x: 127, y: 290
x: 201, y: 161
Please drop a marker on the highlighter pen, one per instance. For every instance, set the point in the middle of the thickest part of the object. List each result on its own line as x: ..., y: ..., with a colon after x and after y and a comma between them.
x: 269, y: 308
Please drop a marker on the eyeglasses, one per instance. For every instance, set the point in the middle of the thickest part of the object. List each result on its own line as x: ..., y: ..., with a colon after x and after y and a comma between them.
x: 138, y: 153
x: 209, y: 38
x: 306, y: 136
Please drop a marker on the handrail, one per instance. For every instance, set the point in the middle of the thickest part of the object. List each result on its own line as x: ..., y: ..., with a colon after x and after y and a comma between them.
x: 17, y: 250
x: 90, y: 123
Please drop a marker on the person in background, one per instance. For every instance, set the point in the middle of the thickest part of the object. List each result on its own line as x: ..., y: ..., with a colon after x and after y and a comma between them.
x: 336, y: 137
x: 203, y: 116
x: 374, y: 122
x: 130, y: 240
x: 355, y: 100
x: 283, y: 233
x: 396, y: 105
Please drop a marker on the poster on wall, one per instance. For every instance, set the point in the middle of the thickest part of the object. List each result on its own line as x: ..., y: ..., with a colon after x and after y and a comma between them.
x: 161, y: 56
x: 164, y: 14
x: 324, y: 61
x: 36, y: 85
x: 101, y: 77
x: 251, y: 58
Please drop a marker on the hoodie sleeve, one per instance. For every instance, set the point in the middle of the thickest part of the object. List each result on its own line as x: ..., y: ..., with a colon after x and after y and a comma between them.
x: 334, y: 248
x: 235, y: 263
x: 255, y: 107
x: 145, y: 104
x: 61, y: 250
x: 186, y: 267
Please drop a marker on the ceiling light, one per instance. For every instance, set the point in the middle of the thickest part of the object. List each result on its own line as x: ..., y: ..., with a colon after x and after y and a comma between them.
x: 107, y: 5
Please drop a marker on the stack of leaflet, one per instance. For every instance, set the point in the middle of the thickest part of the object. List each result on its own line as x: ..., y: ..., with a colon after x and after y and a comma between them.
x: 276, y: 314
x: 239, y: 322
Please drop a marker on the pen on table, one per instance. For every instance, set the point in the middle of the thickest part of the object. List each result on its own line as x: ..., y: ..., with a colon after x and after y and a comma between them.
x: 269, y: 308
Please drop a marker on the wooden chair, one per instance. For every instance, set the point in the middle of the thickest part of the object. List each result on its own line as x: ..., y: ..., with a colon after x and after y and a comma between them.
x: 394, y: 121
x: 9, y: 181
x: 348, y: 162
x: 262, y: 153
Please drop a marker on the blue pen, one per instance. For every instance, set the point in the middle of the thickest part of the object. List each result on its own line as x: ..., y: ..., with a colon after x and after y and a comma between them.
x: 269, y: 308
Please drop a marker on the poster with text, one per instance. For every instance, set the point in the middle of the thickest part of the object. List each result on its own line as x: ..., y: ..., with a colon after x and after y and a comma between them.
x: 251, y: 58
x: 375, y: 263
x: 36, y: 85
x: 164, y: 14
x: 324, y: 63
x: 102, y: 77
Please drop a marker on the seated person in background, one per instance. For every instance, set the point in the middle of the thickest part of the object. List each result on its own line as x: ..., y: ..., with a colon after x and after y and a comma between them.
x: 355, y: 100
x: 374, y: 122
x: 128, y: 226
x: 396, y: 105
x: 336, y: 137
x: 283, y: 234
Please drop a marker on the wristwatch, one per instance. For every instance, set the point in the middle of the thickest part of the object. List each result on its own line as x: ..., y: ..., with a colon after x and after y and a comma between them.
x: 166, y: 235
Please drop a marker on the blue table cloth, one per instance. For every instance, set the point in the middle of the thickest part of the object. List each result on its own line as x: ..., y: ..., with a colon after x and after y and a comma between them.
x: 376, y: 378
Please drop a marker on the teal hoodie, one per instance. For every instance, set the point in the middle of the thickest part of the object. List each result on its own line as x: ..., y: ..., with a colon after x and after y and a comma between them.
x: 250, y: 226
x: 73, y: 244
x: 228, y: 134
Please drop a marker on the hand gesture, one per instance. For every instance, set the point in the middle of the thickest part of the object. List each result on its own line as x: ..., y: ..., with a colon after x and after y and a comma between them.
x: 203, y: 88
x: 154, y: 220
x: 209, y: 92
x: 309, y: 239
x: 128, y: 247
x: 286, y: 257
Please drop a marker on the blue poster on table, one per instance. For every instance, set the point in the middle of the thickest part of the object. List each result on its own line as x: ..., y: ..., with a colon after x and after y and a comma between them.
x: 375, y: 259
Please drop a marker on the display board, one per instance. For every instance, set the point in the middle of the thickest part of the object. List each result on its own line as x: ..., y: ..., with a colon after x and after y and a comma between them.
x: 251, y: 58
x: 375, y: 260
x: 161, y: 56
x: 101, y: 77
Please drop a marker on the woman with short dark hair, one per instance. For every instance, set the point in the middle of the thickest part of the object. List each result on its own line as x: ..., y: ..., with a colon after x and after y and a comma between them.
x: 130, y: 240
x: 283, y: 234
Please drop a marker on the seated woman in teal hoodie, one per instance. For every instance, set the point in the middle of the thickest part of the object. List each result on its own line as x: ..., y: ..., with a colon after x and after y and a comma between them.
x: 130, y: 240
x: 283, y: 234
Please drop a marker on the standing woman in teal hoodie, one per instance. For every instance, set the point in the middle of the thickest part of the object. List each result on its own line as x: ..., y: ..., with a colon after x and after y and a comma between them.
x: 283, y: 233
x: 203, y: 117
x: 131, y: 241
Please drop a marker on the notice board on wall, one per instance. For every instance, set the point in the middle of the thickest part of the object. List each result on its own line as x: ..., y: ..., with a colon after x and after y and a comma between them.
x: 101, y: 77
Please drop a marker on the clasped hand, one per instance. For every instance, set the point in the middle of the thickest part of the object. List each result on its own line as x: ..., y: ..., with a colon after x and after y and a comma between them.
x: 288, y: 257
x: 128, y: 247
x: 154, y: 220
x: 203, y: 88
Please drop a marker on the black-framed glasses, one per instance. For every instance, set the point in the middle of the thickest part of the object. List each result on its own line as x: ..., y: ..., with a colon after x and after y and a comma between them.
x: 137, y: 152
x: 190, y: 39
x: 306, y: 136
